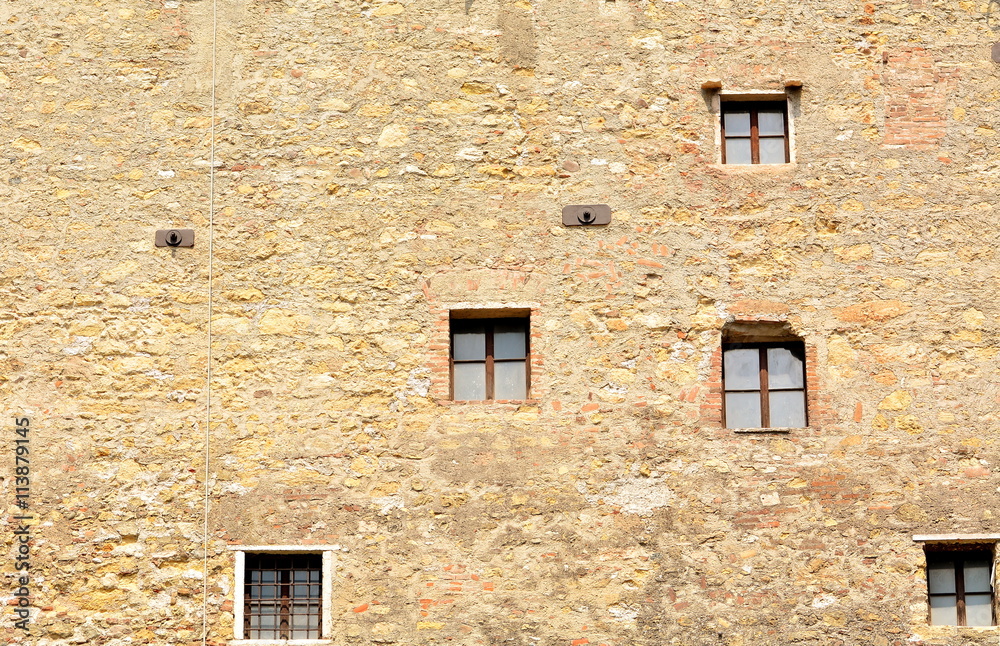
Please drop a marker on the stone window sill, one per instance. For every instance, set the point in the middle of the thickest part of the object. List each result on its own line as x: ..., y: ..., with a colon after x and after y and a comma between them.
x: 280, y: 642
x: 783, y: 430
x: 764, y: 169
x: 936, y: 631
x: 489, y: 402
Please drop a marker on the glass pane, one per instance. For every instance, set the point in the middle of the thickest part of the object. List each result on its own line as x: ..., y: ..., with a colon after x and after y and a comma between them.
x: 742, y: 369
x: 978, y: 610
x: 300, y: 576
x: 508, y: 341
x: 784, y: 369
x: 267, y: 576
x: 770, y: 123
x: 977, y: 576
x: 268, y: 591
x: 941, y: 577
x: 509, y: 380
x: 772, y: 150
x: 788, y: 408
x: 738, y: 151
x: 737, y: 124
x: 301, y: 618
x: 943, y: 611
x: 300, y: 591
x: 742, y: 410
x: 470, y: 344
x: 470, y: 381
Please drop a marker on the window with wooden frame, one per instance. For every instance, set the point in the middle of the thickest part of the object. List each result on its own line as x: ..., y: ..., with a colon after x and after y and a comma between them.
x: 755, y: 132
x: 764, y: 385
x: 960, y: 585
x: 282, y: 596
x: 489, y: 357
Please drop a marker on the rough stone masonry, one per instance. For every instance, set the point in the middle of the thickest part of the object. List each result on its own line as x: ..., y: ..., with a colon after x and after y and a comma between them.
x: 357, y: 171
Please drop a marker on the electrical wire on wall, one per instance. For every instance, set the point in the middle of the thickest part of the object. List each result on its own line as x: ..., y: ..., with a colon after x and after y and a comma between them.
x: 208, y: 329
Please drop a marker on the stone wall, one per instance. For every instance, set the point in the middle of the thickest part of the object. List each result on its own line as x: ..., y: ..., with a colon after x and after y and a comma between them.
x: 378, y: 164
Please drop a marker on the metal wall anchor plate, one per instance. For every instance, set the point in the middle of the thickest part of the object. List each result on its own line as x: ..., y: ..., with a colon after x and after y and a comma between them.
x: 582, y: 215
x: 175, y: 238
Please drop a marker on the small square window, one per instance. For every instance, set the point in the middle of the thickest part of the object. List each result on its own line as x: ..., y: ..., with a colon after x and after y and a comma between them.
x: 489, y: 358
x: 764, y: 385
x: 755, y: 132
x: 960, y: 585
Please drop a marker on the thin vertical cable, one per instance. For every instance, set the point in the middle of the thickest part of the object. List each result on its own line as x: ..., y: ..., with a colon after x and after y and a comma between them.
x: 208, y: 367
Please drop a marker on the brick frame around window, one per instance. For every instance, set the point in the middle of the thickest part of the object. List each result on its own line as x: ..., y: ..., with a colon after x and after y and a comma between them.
x: 439, y: 344
x: 818, y: 410
x: 239, y: 601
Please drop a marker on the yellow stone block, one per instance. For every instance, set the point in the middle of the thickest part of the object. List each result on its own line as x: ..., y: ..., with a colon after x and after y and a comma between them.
x: 898, y: 400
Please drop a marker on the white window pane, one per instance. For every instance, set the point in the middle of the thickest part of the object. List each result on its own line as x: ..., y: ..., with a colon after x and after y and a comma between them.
x: 742, y: 410
x: 738, y: 151
x: 510, y: 380
x: 772, y: 150
x: 943, y: 611
x: 784, y: 369
x: 508, y: 341
x: 470, y: 381
x: 788, y: 408
x: 470, y: 345
x: 742, y: 369
x: 977, y: 576
x: 941, y: 577
x: 737, y: 124
x: 978, y: 610
x: 770, y: 123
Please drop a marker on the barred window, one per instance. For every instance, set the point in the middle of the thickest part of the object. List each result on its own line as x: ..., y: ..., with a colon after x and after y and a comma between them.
x: 283, y: 596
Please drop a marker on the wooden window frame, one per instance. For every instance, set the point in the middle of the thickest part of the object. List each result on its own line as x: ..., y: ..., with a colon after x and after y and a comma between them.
x: 797, y: 347
x: 958, y: 555
x: 284, y: 567
x: 753, y: 107
x: 489, y: 323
